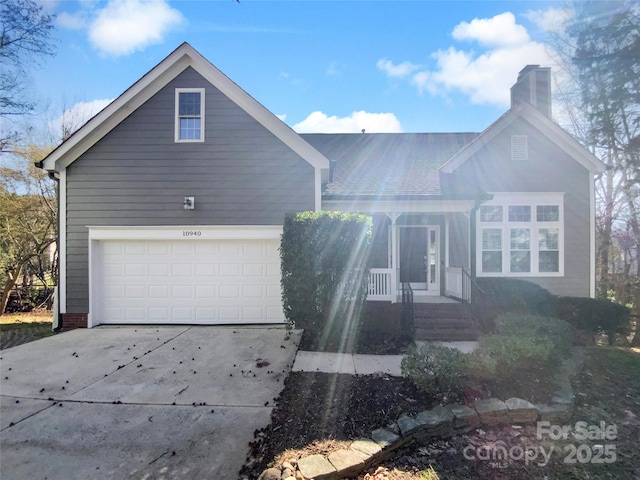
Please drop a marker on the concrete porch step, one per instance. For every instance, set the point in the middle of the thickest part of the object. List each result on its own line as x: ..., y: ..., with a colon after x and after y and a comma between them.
x: 445, y: 335
x: 443, y: 328
x: 447, y: 310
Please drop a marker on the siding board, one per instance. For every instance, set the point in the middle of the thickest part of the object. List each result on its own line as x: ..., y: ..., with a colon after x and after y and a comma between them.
x: 138, y: 175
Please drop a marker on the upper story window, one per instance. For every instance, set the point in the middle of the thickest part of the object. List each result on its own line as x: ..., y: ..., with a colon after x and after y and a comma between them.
x: 189, y: 114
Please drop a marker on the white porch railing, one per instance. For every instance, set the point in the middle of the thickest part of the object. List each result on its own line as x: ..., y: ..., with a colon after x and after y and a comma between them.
x: 379, y: 284
x: 453, y: 281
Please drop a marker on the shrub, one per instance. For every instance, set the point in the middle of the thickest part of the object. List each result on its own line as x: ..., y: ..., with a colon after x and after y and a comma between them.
x: 514, y: 295
x: 557, y: 331
x: 512, y: 358
x: 324, y: 266
x: 595, y: 315
x: 436, y: 369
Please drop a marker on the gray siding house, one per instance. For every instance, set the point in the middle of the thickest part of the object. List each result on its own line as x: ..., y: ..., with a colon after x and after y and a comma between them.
x: 172, y: 201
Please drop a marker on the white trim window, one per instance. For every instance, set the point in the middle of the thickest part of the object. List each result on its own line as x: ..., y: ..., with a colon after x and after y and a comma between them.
x: 189, y: 115
x: 521, y: 235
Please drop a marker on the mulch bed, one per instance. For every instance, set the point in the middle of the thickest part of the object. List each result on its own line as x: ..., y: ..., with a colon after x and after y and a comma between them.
x: 317, y: 411
x: 318, y: 407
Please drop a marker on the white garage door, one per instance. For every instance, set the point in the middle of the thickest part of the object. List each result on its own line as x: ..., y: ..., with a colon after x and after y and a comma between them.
x: 187, y: 281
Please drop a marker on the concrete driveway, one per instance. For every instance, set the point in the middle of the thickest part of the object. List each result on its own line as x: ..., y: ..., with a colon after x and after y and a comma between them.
x: 139, y: 402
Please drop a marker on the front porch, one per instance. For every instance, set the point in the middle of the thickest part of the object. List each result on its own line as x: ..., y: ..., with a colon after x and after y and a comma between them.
x: 426, y: 252
x: 383, y: 287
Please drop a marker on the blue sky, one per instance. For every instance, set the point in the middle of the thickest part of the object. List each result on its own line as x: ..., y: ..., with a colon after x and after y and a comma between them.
x: 420, y: 66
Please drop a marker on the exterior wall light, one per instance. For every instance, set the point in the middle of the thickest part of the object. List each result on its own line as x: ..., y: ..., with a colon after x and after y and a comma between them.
x: 189, y: 203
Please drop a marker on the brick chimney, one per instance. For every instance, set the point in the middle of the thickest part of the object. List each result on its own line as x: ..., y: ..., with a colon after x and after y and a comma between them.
x: 533, y: 86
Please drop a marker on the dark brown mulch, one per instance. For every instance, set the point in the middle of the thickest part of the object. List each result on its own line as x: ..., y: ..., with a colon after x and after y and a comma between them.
x: 318, y: 407
x: 321, y: 406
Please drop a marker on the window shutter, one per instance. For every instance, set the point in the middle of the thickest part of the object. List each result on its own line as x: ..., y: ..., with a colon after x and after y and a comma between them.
x: 519, y: 148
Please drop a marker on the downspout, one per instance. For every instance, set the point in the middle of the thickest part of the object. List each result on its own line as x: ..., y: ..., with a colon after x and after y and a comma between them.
x: 56, y: 325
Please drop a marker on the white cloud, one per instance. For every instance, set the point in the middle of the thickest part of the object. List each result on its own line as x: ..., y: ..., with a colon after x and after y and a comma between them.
x: 319, y: 122
x: 551, y: 19
x: 76, y: 116
x: 282, y: 117
x: 334, y: 70
x: 125, y: 26
x: 501, y: 30
x: 401, y: 70
x: 485, y: 75
x: 72, y: 21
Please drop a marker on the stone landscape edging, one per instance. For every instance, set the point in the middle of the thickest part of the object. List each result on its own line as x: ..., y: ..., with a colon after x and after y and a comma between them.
x: 439, y: 422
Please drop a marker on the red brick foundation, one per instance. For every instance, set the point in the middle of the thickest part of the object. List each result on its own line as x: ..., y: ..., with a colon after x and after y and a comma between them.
x: 72, y: 321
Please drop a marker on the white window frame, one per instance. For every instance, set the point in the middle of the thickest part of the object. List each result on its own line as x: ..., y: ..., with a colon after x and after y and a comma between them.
x: 505, y: 200
x: 177, y: 114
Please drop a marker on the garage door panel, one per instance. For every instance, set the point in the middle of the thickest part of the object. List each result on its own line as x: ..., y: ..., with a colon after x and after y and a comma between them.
x: 252, y: 291
x: 158, y: 248
x: 229, y: 269
x: 182, y: 248
x: 158, y: 291
x: 182, y: 269
x: 206, y: 270
x: 205, y: 291
x: 189, y: 281
x: 136, y: 292
x: 230, y: 291
x: 229, y: 314
x: 159, y: 314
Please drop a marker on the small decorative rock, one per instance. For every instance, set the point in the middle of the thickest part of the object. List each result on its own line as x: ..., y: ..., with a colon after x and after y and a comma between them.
x: 437, y: 422
x: 407, y: 425
x: 555, y: 412
x: 347, y: 462
x: 385, y: 438
x: 465, y: 419
x: 316, y: 467
x: 367, y: 447
x: 521, y: 411
x: 492, y: 411
x: 270, y: 474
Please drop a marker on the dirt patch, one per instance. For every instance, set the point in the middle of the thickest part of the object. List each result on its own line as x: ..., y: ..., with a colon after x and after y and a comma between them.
x: 35, y: 316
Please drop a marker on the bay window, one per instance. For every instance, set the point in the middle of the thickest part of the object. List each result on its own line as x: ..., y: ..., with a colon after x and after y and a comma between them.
x: 521, y: 235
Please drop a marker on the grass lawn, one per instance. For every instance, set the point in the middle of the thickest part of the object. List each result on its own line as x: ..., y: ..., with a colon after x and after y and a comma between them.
x: 24, y: 327
x: 326, y: 409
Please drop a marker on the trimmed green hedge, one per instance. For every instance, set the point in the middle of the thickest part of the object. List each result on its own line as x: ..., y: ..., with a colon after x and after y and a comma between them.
x: 595, y: 315
x: 515, y: 295
x: 324, y: 265
x: 557, y: 331
x: 513, y: 359
x: 436, y: 369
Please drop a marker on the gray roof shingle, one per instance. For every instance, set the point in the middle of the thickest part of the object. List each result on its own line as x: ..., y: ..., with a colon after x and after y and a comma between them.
x: 387, y: 164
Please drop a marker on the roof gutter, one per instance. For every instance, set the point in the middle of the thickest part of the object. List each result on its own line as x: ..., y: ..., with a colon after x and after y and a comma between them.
x: 414, y: 197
